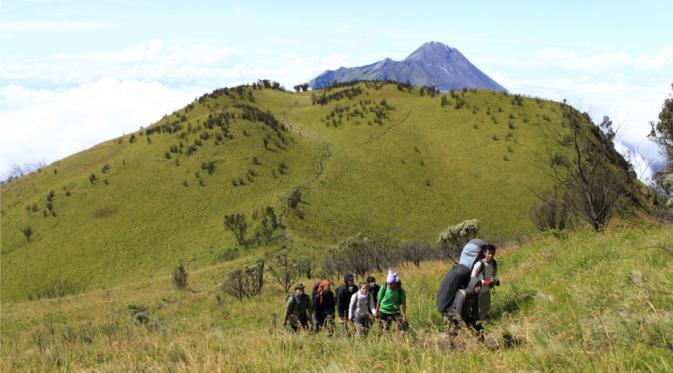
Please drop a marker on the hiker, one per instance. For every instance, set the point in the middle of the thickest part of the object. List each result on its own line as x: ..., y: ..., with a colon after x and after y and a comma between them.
x: 343, y: 297
x: 392, y: 303
x: 459, y: 276
x: 298, y: 309
x: 487, y: 271
x: 323, y: 305
x: 362, y: 309
x: 373, y: 289
x: 465, y: 306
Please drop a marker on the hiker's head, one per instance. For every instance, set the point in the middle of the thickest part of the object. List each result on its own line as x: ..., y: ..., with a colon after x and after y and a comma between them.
x: 371, y: 280
x: 363, y: 288
x: 349, y: 279
x: 324, y: 285
x: 391, y: 279
x: 489, y: 253
x: 299, y: 289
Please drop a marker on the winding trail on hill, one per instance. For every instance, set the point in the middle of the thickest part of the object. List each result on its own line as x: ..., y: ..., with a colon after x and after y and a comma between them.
x: 371, y: 139
x: 320, y: 169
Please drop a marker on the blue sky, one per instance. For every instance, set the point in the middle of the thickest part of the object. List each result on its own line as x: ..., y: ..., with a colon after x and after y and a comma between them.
x: 72, y: 72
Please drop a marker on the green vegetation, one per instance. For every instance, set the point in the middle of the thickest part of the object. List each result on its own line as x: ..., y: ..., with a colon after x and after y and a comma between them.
x: 123, y: 211
x: 588, y: 302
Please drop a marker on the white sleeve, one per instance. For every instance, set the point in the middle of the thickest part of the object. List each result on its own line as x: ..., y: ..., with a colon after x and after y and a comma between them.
x: 476, y: 270
x: 351, y: 307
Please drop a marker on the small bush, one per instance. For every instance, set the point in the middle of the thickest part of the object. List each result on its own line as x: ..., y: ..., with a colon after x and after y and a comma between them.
x: 456, y: 236
x: 27, y: 232
x: 180, y: 277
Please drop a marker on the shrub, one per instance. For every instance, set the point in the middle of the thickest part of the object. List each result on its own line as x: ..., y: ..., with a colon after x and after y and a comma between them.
x: 237, y: 224
x: 246, y: 282
x: 92, y: 178
x: 180, y: 277
x: 284, y: 269
x: 456, y: 236
x: 27, y: 232
x: 265, y: 229
x: 294, y: 199
x: 415, y: 252
x: 553, y: 210
x: 208, y: 166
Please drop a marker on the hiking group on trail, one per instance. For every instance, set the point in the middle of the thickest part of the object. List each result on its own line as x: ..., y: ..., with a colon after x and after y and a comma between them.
x: 464, y: 298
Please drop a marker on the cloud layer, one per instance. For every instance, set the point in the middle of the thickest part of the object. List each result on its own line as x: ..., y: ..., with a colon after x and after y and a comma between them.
x: 47, y: 125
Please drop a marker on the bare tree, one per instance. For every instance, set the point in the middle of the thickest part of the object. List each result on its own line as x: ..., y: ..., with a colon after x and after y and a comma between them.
x: 284, y: 269
x: 237, y: 224
x: 246, y: 282
x: 593, y: 176
x: 553, y: 210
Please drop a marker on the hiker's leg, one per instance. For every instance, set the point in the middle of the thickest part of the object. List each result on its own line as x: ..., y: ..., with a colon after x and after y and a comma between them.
x: 484, y: 302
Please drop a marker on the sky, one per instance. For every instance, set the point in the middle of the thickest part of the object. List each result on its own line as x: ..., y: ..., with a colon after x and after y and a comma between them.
x: 76, y: 73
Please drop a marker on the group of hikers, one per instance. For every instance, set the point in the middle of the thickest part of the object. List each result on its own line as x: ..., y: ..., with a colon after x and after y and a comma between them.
x: 464, y: 297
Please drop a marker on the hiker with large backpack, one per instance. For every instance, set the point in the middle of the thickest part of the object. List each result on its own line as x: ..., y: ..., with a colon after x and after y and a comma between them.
x: 487, y: 271
x: 362, y: 310
x: 392, y: 303
x: 323, y: 305
x: 465, y: 306
x: 298, y: 310
x: 459, y: 276
x: 343, y: 297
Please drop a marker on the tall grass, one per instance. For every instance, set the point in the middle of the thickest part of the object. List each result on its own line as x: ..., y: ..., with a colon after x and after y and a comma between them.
x: 588, y: 303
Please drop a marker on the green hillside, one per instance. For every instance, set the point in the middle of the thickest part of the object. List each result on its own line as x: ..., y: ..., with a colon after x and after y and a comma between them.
x: 372, y: 157
x: 592, y: 302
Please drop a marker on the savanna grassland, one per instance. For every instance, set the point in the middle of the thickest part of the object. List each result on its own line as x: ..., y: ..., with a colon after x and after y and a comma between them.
x: 378, y: 158
x: 591, y: 302
x: 90, y: 242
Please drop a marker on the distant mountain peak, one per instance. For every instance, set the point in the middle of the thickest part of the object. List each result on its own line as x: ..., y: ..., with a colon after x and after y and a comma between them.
x: 432, y: 64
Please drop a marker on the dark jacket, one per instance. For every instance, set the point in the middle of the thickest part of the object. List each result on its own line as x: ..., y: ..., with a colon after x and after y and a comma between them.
x: 374, y: 291
x: 324, y: 307
x: 466, y: 303
x: 457, y: 278
x: 298, y: 310
x: 343, y: 299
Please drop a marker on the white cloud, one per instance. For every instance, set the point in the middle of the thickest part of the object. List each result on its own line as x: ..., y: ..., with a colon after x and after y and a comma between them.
x: 52, y: 124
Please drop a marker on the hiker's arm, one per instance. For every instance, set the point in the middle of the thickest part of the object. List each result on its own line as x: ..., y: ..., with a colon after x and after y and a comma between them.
x: 476, y: 269
x: 287, y: 310
x: 403, y: 308
x: 351, y: 307
x: 372, y: 306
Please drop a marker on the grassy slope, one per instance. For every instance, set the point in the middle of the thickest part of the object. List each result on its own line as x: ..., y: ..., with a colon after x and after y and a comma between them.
x: 353, y: 178
x: 590, y: 303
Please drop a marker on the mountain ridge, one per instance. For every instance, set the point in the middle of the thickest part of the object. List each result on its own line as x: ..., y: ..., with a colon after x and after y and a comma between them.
x: 433, y: 64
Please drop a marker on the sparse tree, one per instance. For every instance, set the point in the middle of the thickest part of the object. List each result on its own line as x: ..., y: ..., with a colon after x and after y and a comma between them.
x: 180, y: 277
x: 553, y: 210
x: 594, y: 177
x: 284, y: 269
x: 237, y: 224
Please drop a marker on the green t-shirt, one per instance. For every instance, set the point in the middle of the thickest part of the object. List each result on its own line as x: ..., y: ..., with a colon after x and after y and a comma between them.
x: 391, y: 300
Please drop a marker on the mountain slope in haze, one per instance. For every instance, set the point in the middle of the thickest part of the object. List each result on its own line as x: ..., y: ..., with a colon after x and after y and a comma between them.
x: 433, y: 64
x: 371, y: 157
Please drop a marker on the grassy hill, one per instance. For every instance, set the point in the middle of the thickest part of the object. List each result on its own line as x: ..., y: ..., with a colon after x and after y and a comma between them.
x: 592, y: 302
x: 372, y: 157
